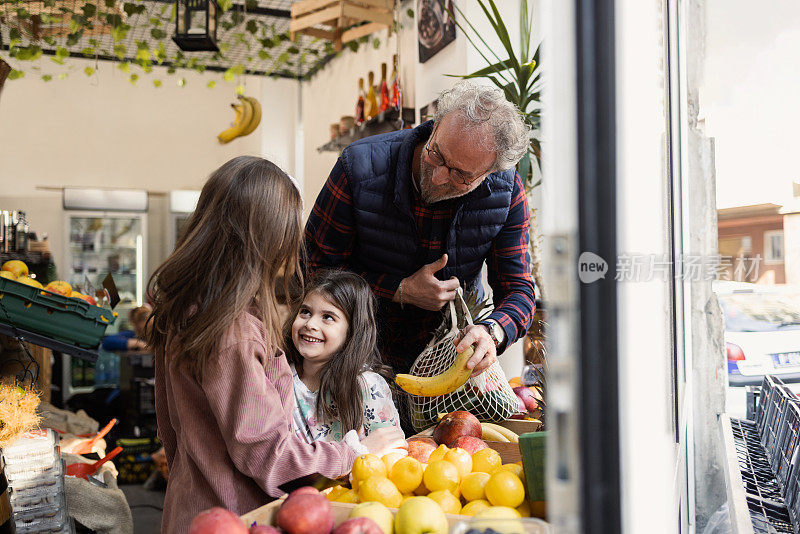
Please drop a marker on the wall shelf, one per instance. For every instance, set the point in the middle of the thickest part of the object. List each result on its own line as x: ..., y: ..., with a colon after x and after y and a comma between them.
x: 388, y: 121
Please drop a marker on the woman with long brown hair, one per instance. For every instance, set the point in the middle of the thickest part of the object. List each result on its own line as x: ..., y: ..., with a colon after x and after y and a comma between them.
x: 224, y: 397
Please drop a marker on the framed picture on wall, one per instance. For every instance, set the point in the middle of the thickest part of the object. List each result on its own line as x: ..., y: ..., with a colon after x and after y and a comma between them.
x: 436, y: 28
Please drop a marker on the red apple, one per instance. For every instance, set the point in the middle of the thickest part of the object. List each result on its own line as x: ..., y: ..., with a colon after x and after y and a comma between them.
x: 359, y: 525
x: 306, y: 514
x: 454, y: 425
x: 520, y: 405
x: 421, y: 448
x: 527, y: 397
x: 305, y: 490
x: 471, y: 444
x: 264, y: 529
x: 217, y: 521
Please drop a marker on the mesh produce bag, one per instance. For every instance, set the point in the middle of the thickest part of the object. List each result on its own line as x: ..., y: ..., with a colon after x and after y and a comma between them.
x: 487, y: 396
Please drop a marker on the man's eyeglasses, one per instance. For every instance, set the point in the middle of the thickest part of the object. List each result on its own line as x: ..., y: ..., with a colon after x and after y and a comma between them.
x: 456, y: 175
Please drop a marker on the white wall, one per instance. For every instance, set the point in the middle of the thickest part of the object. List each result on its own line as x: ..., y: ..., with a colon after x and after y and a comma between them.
x: 749, y: 98
x: 102, y: 131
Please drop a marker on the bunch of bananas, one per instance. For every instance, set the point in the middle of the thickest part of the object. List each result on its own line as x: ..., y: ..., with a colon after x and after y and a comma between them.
x: 248, y: 116
x: 435, y: 386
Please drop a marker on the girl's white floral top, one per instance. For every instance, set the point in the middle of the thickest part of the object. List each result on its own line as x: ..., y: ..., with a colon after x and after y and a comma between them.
x: 379, y: 410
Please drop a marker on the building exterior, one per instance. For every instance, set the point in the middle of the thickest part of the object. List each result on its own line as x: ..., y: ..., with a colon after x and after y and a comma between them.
x: 751, y: 243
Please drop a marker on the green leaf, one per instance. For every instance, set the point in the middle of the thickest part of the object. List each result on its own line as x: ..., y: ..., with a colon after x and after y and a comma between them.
x: 120, y: 50
x: 23, y: 14
x: 182, y: 82
x: 49, y: 40
x: 133, y: 9
x: 410, y: 13
x: 252, y: 26
x: 155, y: 21
x: 376, y: 43
x: 158, y: 33
x: 94, y: 42
x: 88, y: 52
x: 264, y: 55
x: 133, y: 78
x: 228, y: 76
x: 27, y: 53
x: 14, y: 34
x: 46, y: 77
x: 110, y: 3
x: 15, y: 74
x: 125, y: 67
x: 225, y: 5
x: 157, y: 83
x: 160, y: 53
x: 293, y: 50
x: 88, y: 71
x: 63, y: 76
x: 171, y: 70
x: 73, y: 38
x: 211, y: 84
x: 120, y: 32
x: 89, y: 10
x: 49, y: 3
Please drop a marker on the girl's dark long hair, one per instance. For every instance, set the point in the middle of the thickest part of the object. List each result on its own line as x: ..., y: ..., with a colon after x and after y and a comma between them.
x: 244, y: 234
x: 341, y: 387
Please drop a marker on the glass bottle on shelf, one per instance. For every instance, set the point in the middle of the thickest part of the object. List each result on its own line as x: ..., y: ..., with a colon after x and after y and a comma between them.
x: 359, y: 117
x: 397, y: 95
x: 385, y: 101
x: 371, y: 105
x: 21, y: 234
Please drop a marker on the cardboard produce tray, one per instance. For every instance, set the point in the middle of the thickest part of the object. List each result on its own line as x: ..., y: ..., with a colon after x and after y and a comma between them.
x: 68, y: 320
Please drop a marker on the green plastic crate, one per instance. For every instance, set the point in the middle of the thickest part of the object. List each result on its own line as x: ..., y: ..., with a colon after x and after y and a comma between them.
x: 532, y: 448
x: 70, y: 320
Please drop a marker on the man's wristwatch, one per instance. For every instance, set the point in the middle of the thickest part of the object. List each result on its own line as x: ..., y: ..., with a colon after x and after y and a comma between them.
x: 495, y: 331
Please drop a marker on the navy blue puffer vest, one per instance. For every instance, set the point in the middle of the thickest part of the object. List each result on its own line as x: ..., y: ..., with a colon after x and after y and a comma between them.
x: 379, y: 171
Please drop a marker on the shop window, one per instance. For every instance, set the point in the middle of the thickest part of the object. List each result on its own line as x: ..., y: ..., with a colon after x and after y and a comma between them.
x: 773, y: 246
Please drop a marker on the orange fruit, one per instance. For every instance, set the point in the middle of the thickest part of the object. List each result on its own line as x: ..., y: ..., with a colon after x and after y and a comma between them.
x: 473, y: 507
x: 448, y: 502
x: 505, y: 489
x: 390, y: 458
x: 406, y: 474
x: 438, y: 454
x: 379, y: 489
x: 365, y: 466
x: 461, y: 459
x: 486, y: 461
x: 515, y: 382
x: 473, y: 486
x: 441, y: 475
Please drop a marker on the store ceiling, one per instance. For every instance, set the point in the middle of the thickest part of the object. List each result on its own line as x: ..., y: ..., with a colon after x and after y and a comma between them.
x: 253, y: 35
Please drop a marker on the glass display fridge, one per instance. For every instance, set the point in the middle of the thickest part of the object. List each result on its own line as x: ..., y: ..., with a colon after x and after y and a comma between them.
x: 100, y: 243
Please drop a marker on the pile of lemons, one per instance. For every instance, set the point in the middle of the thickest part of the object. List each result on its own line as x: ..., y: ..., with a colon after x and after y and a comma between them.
x: 457, y: 482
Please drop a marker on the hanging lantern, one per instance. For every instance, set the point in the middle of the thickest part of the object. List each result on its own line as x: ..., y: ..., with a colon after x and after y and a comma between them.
x: 196, y: 25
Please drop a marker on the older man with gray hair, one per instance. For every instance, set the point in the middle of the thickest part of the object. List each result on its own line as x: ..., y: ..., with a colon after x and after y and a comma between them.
x: 417, y: 213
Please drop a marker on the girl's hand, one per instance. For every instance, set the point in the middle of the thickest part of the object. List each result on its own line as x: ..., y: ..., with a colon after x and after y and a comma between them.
x: 381, y: 440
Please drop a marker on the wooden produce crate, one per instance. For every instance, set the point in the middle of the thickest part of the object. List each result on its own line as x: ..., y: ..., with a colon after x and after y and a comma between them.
x: 266, y: 515
x: 340, y: 21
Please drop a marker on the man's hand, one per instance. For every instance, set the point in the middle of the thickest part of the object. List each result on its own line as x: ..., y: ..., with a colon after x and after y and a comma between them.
x: 423, y: 289
x: 485, y: 351
x: 136, y: 344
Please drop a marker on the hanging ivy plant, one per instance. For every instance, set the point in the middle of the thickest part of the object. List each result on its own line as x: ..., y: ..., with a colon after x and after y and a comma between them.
x: 138, y: 35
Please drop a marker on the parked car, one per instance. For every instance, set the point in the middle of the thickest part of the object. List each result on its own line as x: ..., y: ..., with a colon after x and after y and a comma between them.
x: 762, y: 331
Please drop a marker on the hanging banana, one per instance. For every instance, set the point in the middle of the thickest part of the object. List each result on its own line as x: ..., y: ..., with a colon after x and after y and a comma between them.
x: 435, y: 386
x: 254, y: 122
x: 248, y: 116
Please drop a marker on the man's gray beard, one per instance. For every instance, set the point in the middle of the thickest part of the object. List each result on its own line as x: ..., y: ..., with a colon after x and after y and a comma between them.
x: 426, y: 186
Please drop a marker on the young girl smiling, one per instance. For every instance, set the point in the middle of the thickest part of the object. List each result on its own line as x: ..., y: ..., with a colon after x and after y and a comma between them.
x: 332, y: 345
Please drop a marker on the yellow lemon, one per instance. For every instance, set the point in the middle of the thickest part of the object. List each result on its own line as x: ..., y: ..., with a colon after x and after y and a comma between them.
x: 517, y: 469
x: 336, y: 492
x: 505, y: 489
x: 473, y: 507
x: 406, y: 474
x: 350, y: 496
x: 448, y: 502
x: 379, y: 489
x: 377, y: 512
x: 473, y: 486
x: 461, y: 459
x: 418, y: 515
x: 389, y: 459
x: 438, y: 454
x: 441, y: 475
x: 486, y: 461
x: 406, y: 496
x: 365, y: 466
x: 524, y: 509
x: 501, y: 519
